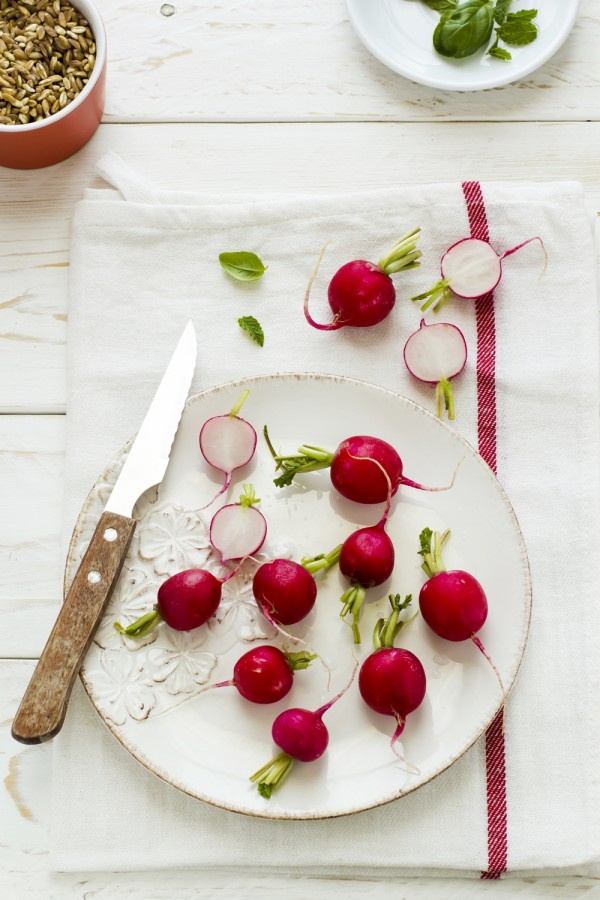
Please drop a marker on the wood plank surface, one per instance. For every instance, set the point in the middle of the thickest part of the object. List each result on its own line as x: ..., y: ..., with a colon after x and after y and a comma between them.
x: 264, y: 61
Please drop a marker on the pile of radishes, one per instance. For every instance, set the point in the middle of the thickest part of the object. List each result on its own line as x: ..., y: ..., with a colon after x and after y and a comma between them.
x: 391, y: 681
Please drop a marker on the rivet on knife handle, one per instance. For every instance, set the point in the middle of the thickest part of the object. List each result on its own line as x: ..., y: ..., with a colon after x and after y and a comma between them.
x: 43, y: 707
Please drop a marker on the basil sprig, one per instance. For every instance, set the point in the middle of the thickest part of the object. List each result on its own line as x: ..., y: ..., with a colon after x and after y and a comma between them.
x: 466, y: 27
x: 464, y: 30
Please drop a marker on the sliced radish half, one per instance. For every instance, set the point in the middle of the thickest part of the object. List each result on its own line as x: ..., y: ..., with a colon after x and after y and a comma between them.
x: 227, y: 443
x: 470, y: 269
x: 239, y: 529
x: 435, y: 354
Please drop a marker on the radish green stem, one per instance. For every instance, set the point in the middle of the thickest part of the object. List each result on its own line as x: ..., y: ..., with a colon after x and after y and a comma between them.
x: 387, y: 630
x: 248, y: 496
x: 403, y: 254
x: 300, y: 660
x: 308, y: 459
x: 322, y: 562
x: 144, y: 625
x: 433, y: 563
x: 242, y: 399
x: 273, y: 774
x: 444, y: 397
x: 353, y: 600
x: 435, y: 297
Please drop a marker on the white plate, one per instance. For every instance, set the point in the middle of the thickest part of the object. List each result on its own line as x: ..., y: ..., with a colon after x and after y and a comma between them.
x: 209, y: 745
x: 400, y: 34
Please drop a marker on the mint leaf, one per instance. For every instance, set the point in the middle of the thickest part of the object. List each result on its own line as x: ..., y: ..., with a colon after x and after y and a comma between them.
x: 252, y: 328
x: 499, y: 52
x: 500, y: 13
x: 242, y: 265
x: 528, y: 14
x: 518, y: 29
x: 442, y: 6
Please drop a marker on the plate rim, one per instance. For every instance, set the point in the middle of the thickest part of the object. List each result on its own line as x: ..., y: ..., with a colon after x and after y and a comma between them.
x: 310, y: 815
x: 463, y: 86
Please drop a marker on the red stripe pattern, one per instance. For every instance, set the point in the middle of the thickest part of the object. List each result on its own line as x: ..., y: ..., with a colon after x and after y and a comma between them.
x: 495, y: 757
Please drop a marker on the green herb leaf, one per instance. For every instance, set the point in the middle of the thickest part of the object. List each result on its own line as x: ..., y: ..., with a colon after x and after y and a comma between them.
x: 442, y: 6
x: 499, y: 52
x: 518, y: 29
x: 242, y: 265
x: 253, y: 328
x: 500, y: 13
x: 528, y: 14
x: 462, y: 32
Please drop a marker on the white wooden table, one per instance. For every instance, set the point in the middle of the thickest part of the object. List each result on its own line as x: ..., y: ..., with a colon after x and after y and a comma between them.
x: 228, y: 96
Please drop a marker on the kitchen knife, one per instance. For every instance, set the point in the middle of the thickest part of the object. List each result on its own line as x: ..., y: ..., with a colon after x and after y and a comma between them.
x: 43, y: 707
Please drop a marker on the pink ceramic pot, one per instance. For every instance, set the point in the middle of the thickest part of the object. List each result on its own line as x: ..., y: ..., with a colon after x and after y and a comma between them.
x: 51, y: 140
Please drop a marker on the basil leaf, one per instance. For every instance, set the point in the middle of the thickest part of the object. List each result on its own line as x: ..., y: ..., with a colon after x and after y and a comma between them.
x: 242, y: 265
x: 499, y: 52
x: 462, y: 32
x: 253, y: 328
x: 518, y: 30
x: 500, y: 13
x: 442, y: 5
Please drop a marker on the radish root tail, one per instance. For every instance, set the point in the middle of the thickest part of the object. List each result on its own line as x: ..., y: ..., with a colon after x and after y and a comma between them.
x: 332, y: 326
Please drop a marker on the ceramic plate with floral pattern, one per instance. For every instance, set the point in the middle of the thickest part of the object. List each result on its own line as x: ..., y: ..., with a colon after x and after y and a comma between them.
x: 149, y: 691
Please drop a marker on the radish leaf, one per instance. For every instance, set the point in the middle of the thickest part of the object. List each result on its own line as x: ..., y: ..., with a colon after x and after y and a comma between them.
x: 253, y: 328
x: 242, y: 265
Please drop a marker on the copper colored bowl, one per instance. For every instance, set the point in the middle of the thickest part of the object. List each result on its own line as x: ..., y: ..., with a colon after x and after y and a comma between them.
x: 57, y: 137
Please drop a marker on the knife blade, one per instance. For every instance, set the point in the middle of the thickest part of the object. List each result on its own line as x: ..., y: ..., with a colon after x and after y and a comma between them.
x: 44, y: 705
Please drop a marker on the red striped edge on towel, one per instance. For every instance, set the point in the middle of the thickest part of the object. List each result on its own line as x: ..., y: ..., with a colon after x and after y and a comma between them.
x: 495, y: 758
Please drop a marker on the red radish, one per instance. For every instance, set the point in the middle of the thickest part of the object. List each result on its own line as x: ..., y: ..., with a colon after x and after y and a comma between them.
x: 301, y: 735
x: 366, y: 560
x: 362, y: 293
x: 359, y: 467
x: 265, y: 674
x: 435, y: 354
x: 392, y: 680
x: 286, y: 590
x: 238, y: 529
x: 185, y: 601
x: 470, y: 269
x: 453, y: 604
x: 227, y: 442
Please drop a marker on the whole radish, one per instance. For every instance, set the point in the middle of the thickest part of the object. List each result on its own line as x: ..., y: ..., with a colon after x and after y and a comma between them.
x: 366, y: 560
x: 285, y: 591
x: 470, y: 269
x: 453, y: 603
x: 358, y: 467
x: 301, y: 735
x: 435, y: 354
x: 265, y: 674
x: 184, y: 601
x: 227, y: 442
x: 239, y: 529
x: 361, y: 293
x: 392, y: 680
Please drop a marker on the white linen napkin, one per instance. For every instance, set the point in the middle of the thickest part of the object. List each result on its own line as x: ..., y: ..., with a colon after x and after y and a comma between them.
x: 143, y: 261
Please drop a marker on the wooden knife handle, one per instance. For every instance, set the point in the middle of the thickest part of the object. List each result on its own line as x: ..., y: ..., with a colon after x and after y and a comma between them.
x: 44, y: 705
